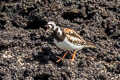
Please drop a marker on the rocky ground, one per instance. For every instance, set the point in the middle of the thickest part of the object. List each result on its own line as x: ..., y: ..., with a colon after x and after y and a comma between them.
x: 28, y: 53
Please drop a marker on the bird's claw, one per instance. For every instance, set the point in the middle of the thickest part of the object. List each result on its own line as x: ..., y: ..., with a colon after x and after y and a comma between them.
x: 59, y: 59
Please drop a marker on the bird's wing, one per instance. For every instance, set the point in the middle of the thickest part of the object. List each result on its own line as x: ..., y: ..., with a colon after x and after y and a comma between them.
x: 74, y: 37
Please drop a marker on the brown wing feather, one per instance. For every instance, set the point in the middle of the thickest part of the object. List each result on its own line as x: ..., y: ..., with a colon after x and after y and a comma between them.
x: 72, y: 34
x: 76, y: 38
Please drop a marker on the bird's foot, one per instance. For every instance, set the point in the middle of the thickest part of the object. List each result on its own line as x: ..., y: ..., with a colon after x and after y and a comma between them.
x: 73, y: 56
x: 61, y: 58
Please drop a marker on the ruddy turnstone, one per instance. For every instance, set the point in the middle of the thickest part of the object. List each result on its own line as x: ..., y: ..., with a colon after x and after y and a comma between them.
x: 68, y: 40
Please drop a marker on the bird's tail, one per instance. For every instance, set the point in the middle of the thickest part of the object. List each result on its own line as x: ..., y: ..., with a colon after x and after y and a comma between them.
x: 90, y: 45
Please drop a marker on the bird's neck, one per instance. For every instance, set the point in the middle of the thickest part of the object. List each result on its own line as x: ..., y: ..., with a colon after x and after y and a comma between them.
x: 58, y: 30
x: 59, y: 34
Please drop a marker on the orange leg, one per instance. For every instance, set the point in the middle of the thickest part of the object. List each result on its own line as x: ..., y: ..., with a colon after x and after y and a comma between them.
x: 73, y: 56
x: 61, y: 58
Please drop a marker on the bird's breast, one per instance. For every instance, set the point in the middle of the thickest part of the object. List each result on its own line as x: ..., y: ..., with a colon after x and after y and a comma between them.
x: 67, y: 45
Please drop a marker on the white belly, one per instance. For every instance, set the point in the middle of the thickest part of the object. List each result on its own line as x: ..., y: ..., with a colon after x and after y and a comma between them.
x: 66, y: 45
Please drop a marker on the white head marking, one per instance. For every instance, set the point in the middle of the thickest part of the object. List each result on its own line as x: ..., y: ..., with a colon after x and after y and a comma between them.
x: 52, y: 24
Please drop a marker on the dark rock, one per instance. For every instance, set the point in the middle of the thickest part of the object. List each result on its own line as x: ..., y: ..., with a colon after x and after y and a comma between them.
x: 28, y: 53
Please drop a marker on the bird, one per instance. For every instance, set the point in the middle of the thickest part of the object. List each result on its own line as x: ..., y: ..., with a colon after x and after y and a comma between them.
x: 67, y: 39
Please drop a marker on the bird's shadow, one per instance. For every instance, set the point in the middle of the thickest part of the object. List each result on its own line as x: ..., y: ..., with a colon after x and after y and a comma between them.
x: 45, y: 56
x: 48, y: 55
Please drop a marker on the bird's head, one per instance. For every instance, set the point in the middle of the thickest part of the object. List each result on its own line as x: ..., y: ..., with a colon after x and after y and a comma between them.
x: 51, y: 26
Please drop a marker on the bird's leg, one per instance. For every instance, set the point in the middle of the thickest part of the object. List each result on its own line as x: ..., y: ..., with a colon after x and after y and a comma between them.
x: 73, y: 56
x: 61, y: 58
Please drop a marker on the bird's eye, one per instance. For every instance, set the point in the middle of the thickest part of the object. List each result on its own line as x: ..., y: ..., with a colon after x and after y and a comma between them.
x: 52, y: 25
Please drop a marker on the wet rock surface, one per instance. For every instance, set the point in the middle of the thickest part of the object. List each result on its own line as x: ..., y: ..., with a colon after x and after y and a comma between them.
x: 28, y: 53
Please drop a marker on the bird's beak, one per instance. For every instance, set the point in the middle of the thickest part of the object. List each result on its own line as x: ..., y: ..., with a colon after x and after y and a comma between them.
x: 48, y: 29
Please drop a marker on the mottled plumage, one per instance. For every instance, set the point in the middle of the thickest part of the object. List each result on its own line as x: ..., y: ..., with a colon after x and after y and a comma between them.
x: 76, y: 39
